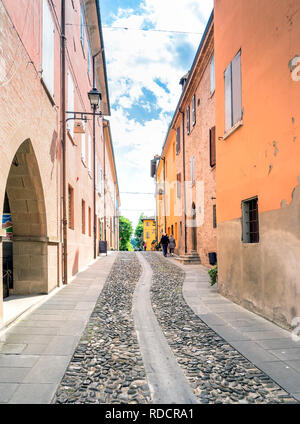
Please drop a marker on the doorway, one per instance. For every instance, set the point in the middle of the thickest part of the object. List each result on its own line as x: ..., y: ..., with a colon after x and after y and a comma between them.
x: 25, y: 247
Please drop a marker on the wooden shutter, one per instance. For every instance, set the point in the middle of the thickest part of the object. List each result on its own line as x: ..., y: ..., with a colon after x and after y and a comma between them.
x: 236, y: 89
x: 187, y: 120
x: 179, y: 185
x: 212, y: 146
x: 228, y: 99
x: 194, y: 109
x: 177, y: 140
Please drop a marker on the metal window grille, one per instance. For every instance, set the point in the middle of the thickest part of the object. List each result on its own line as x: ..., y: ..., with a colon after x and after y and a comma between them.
x: 250, y: 221
x: 214, y: 216
x: 71, y: 207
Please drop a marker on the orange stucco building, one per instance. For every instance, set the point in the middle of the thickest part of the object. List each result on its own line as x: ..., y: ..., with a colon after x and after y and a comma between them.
x: 258, y: 150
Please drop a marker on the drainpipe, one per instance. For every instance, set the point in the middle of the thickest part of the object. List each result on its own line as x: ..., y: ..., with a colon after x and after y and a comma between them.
x: 63, y: 122
x: 184, y: 188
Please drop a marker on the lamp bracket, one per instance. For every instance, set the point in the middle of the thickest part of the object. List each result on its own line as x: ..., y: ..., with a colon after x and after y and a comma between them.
x: 82, y: 115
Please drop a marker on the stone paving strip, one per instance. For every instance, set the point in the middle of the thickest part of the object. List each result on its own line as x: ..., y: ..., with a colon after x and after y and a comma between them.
x: 166, y: 380
x: 215, y: 370
x: 107, y: 365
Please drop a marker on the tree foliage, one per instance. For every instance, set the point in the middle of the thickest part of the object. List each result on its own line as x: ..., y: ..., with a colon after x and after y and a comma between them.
x: 125, y: 231
x: 138, y: 233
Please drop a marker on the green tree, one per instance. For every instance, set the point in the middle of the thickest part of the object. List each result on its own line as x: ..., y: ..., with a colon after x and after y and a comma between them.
x: 138, y: 233
x: 125, y: 231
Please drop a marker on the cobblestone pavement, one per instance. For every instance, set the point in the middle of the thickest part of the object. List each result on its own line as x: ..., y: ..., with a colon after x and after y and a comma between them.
x: 107, y: 366
x: 215, y: 370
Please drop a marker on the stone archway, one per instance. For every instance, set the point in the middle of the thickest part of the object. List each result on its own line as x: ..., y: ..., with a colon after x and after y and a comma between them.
x: 27, y: 207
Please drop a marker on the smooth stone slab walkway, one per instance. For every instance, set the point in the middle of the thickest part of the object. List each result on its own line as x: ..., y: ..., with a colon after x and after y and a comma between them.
x: 262, y: 342
x: 36, y: 350
x: 167, y: 382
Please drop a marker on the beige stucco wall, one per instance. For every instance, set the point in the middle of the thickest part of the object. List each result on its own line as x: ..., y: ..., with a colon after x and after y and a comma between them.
x: 264, y: 277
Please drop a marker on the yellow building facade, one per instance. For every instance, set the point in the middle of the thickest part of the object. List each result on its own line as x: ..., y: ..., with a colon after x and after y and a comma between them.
x: 149, y: 232
x: 167, y: 202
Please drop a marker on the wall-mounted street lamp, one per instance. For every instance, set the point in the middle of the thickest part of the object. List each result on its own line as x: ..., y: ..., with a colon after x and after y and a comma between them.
x: 94, y: 97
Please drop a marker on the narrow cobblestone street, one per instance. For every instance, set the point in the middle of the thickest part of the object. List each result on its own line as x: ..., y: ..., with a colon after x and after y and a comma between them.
x: 107, y: 366
x: 123, y: 333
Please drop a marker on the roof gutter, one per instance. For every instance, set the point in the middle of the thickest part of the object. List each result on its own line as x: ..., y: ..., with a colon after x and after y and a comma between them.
x: 94, y: 28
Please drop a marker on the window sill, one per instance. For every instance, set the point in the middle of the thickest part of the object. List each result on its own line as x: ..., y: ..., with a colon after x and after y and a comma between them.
x: 212, y: 93
x: 83, y: 162
x: 233, y: 129
x: 90, y: 174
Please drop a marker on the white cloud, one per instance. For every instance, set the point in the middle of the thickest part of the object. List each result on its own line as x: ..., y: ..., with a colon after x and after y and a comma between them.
x: 135, y: 61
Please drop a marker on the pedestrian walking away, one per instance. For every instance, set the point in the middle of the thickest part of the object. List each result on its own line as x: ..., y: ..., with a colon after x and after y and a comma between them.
x: 172, y: 244
x: 164, y: 241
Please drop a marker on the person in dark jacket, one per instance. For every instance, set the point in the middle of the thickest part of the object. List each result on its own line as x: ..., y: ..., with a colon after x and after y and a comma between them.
x: 164, y: 241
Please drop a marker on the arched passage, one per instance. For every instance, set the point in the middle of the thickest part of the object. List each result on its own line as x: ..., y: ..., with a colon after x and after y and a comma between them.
x: 25, y: 197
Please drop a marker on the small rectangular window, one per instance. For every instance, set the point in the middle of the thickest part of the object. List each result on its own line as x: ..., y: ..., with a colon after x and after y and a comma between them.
x: 83, y: 141
x: 212, y: 146
x: 188, y: 120
x: 89, y: 153
x: 89, y: 59
x: 177, y: 140
x: 179, y: 186
x: 214, y: 216
x: 192, y: 170
x: 82, y: 27
x: 250, y: 227
x: 83, y: 216
x: 212, y: 74
x: 48, y: 48
x: 194, y: 109
x: 71, y: 95
x: 71, y: 206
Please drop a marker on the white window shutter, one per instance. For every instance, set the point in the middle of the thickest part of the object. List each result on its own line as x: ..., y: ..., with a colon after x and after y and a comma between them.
x: 212, y: 74
x: 228, y: 99
x: 90, y: 153
x: 70, y: 103
x: 236, y: 89
x: 48, y: 49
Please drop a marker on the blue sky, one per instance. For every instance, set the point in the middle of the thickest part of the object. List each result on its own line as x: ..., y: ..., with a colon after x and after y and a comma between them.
x: 144, y: 69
